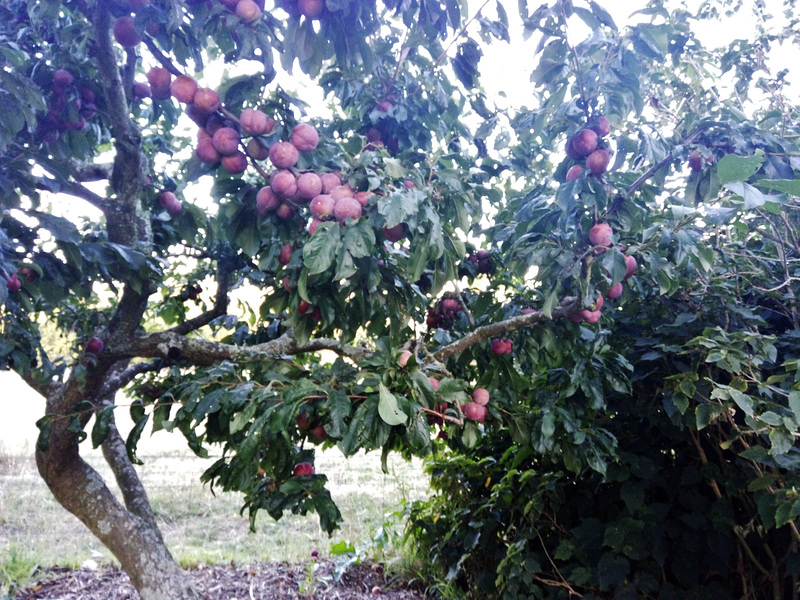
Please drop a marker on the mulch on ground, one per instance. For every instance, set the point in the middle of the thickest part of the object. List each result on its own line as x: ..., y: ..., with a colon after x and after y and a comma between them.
x: 262, y: 581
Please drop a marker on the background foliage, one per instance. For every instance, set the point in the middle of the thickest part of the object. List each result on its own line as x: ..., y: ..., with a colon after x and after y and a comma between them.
x: 651, y: 453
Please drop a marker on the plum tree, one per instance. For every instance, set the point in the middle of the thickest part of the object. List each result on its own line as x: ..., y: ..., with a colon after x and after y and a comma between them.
x: 645, y: 447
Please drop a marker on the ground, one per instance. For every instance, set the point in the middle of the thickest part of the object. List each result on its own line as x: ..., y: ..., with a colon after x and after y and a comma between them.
x: 262, y: 581
x: 200, y: 528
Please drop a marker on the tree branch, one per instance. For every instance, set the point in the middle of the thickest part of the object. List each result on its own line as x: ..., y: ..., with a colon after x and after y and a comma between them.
x: 119, y: 381
x: 161, y: 57
x: 224, y: 272
x: 567, y: 307
x: 77, y: 190
x: 88, y: 172
x: 660, y: 164
x: 133, y: 492
x: 173, y: 346
x: 458, y: 34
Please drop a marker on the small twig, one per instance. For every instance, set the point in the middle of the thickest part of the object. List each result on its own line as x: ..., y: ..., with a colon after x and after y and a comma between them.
x: 162, y: 58
x: 577, y: 63
x: 224, y: 272
x: 668, y: 158
x: 464, y: 306
x: 458, y: 35
x: 563, y: 583
x: 403, y: 54
x: 443, y: 416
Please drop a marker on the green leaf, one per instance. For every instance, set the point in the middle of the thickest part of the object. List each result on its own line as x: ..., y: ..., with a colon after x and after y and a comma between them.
x: 320, y: 251
x: 248, y: 237
x: 345, y: 266
x: 388, y: 409
x: 339, y: 407
x: 102, y: 425
x: 469, y: 437
x: 789, y: 186
x: 359, y: 239
x: 743, y: 401
x: 738, y: 168
x: 394, y: 168
x: 548, y: 425
x: 602, y: 15
x: 418, y: 433
x: 242, y: 418
x: 133, y: 439
x: 781, y: 441
x: 751, y: 196
x: 398, y: 207
x: 704, y: 414
x: 45, y: 425
x: 794, y: 405
x: 613, y: 261
x: 550, y: 304
x: 771, y: 418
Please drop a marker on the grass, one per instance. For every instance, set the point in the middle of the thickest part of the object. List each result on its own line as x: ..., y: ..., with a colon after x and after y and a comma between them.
x: 199, y: 528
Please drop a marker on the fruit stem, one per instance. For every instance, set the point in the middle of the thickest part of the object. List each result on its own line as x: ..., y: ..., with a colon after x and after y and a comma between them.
x: 470, y: 318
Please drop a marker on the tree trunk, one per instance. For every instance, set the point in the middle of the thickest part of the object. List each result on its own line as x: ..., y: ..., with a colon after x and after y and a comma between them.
x: 130, y: 533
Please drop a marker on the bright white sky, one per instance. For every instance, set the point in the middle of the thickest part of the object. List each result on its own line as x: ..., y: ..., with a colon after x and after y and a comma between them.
x: 508, y: 68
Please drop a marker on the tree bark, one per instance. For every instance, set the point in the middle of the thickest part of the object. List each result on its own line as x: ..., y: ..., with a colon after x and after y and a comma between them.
x: 130, y: 530
x: 130, y: 533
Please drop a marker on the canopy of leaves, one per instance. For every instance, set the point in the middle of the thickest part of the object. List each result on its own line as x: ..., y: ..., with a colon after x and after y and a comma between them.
x: 629, y: 438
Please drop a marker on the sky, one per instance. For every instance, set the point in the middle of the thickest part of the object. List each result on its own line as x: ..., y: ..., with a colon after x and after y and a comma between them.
x: 507, y: 68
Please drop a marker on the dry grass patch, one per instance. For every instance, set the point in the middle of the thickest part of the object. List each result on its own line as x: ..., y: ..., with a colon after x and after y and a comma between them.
x: 199, y: 527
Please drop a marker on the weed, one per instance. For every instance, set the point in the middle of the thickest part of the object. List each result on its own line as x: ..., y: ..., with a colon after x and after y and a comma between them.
x: 16, y: 568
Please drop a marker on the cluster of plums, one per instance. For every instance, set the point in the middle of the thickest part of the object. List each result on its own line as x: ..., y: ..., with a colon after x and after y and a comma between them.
x: 504, y: 346
x: 68, y: 107
x: 476, y: 410
x: 482, y: 261
x: 589, y: 149
x: 444, y: 314
x: 601, y: 237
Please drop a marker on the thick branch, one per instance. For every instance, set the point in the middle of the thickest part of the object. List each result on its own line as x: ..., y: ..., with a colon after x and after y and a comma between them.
x: 119, y: 381
x: 77, y: 190
x: 83, y: 172
x: 133, y: 492
x: 569, y: 306
x: 114, y: 92
x: 173, y: 346
x: 127, y: 222
x: 45, y: 389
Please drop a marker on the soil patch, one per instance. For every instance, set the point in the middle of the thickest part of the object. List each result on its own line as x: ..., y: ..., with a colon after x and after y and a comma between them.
x: 260, y: 581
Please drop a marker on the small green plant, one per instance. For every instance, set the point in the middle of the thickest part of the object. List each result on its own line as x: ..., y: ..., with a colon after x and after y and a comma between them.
x: 308, y: 586
x: 16, y: 569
